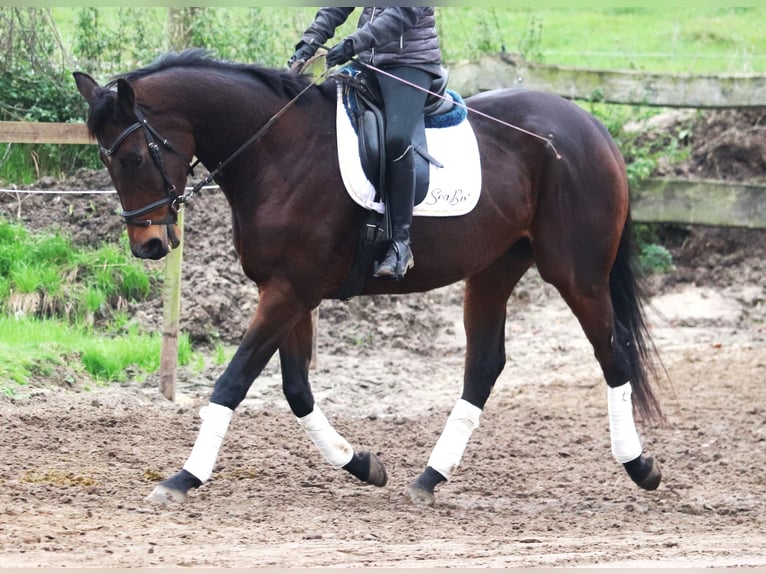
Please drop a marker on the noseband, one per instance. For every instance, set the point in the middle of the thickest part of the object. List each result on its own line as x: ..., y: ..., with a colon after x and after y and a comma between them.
x: 172, y: 199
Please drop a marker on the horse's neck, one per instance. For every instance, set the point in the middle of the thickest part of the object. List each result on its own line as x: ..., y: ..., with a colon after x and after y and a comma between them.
x: 224, y: 122
x: 226, y: 118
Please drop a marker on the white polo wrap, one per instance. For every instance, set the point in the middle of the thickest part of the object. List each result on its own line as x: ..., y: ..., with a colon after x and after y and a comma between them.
x: 336, y: 449
x: 448, y: 451
x: 626, y: 445
x: 215, y: 423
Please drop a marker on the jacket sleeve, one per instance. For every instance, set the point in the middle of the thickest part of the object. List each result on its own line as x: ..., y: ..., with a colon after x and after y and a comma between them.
x: 324, y: 24
x: 388, y: 26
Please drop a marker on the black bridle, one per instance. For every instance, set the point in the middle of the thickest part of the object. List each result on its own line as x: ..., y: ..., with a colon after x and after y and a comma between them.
x: 172, y: 199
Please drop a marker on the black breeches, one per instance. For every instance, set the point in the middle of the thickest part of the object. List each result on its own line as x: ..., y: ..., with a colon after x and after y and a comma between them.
x: 403, y: 106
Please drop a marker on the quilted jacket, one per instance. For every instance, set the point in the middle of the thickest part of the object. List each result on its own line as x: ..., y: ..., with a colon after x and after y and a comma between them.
x: 385, y: 37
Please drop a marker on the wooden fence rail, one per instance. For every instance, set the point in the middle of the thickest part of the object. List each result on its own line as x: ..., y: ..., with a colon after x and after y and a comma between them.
x: 616, y: 87
x: 44, y: 133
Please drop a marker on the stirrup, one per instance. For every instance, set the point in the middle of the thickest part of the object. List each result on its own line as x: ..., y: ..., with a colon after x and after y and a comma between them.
x: 392, y: 266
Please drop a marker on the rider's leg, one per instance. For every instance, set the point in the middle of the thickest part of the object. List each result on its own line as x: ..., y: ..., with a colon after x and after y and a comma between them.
x: 403, y: 108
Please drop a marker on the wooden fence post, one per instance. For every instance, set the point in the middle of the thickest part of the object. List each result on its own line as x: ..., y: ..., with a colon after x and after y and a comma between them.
x: 171, y: 311
x: 178, y: 23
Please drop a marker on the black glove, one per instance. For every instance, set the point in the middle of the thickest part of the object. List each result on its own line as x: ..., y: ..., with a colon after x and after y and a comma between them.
x: 303, y: 52
x: 340, y: 54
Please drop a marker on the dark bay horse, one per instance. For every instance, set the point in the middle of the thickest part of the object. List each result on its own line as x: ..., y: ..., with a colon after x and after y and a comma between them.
x: 295, y: 231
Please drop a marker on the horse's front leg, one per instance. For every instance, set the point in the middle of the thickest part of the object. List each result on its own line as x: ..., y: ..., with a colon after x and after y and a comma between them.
x: 275, y: 318
x: 295, y: 356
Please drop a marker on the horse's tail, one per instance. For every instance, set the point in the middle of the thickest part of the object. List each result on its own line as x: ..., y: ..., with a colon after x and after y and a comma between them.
x: 631, y: 332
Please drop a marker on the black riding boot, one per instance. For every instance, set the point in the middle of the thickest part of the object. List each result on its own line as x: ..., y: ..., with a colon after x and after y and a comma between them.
x: 400, y: 200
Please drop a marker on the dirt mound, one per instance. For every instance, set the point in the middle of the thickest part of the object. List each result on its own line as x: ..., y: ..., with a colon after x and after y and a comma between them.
x: 729, y: 145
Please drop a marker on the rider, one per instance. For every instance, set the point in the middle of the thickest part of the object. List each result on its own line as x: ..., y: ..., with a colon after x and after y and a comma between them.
x: 403, y: 42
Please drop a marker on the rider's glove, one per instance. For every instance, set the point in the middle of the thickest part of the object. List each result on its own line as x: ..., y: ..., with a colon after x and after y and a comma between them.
x: 303, y: 52
x: 340, y: 54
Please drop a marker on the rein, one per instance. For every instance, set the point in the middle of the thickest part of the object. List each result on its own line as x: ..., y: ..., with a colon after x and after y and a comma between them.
x: 174, y: 201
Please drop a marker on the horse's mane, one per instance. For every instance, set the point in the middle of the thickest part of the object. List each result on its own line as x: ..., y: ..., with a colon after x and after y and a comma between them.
x: 282, y: 82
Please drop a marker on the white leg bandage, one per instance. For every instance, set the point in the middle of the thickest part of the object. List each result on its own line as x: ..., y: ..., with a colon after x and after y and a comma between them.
x: 215, y: 422
x: 448, y: 451
x: 626, y: 445
x: 336, y: 449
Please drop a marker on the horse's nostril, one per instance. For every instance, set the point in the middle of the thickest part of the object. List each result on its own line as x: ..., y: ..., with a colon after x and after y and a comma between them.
x: 152, y: 249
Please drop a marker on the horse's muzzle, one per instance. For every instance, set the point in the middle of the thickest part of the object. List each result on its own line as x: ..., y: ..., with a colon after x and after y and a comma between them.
x: 154, y: 248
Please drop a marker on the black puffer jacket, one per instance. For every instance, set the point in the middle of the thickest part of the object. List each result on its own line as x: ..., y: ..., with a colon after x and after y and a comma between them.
x: 388, y: 36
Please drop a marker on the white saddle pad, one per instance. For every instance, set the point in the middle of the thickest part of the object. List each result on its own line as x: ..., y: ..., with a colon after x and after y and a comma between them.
x: 452, y: 190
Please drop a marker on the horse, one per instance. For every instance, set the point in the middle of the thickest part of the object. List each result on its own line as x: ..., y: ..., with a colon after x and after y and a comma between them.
x: 562, y: 204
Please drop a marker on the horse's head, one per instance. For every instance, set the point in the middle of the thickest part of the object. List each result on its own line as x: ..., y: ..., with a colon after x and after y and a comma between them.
x: 148, y: 171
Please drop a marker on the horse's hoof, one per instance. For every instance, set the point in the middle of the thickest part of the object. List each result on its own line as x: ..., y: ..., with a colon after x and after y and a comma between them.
x: 421, y: 490
x: 653, y: 479
x: 645, y: 472
x: 420, y: 495
x: 377, y: 475
x: 164, y: 496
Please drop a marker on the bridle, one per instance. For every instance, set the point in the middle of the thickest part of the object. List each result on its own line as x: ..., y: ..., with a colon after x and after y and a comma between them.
x: 172, y: 199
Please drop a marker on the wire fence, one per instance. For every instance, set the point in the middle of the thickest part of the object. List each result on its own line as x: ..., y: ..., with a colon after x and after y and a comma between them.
x: 77, y: 191
x: 57, y: 191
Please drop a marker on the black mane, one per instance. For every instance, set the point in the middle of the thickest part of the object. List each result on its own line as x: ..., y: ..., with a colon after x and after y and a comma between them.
x: 282, y: 82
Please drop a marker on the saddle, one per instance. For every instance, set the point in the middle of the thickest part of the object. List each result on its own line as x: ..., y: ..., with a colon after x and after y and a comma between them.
x: 363, y: 104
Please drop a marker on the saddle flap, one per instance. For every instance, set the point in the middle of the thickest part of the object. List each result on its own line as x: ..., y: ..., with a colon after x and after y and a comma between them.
x: 369, y: 146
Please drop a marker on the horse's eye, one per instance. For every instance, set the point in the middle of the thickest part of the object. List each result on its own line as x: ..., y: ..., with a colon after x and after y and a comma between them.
x: 131, y: 161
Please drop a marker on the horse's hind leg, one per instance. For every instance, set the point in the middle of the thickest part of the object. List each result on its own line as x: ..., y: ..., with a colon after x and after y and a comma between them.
x: 484, y: 312
x: 295, y: 355
x: 606, y: 303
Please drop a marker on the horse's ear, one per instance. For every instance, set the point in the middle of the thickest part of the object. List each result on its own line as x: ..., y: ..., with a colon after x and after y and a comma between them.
x: 87, y: 86
x: 126, y: 97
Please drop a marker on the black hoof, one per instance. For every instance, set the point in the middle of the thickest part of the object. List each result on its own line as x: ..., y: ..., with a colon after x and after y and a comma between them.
x: 645, y: 472
x: 368, y: 468
x: 377, y: 475
x: 173, y: 490
x: 421, y: 490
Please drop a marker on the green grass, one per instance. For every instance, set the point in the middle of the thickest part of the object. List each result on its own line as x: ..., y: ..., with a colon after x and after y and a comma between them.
x: 24, y: 164
x: 705, y: 40
x: 661, y: 39
x: 46, y: 275
x: 32, y: 349
x: 52, y: 292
